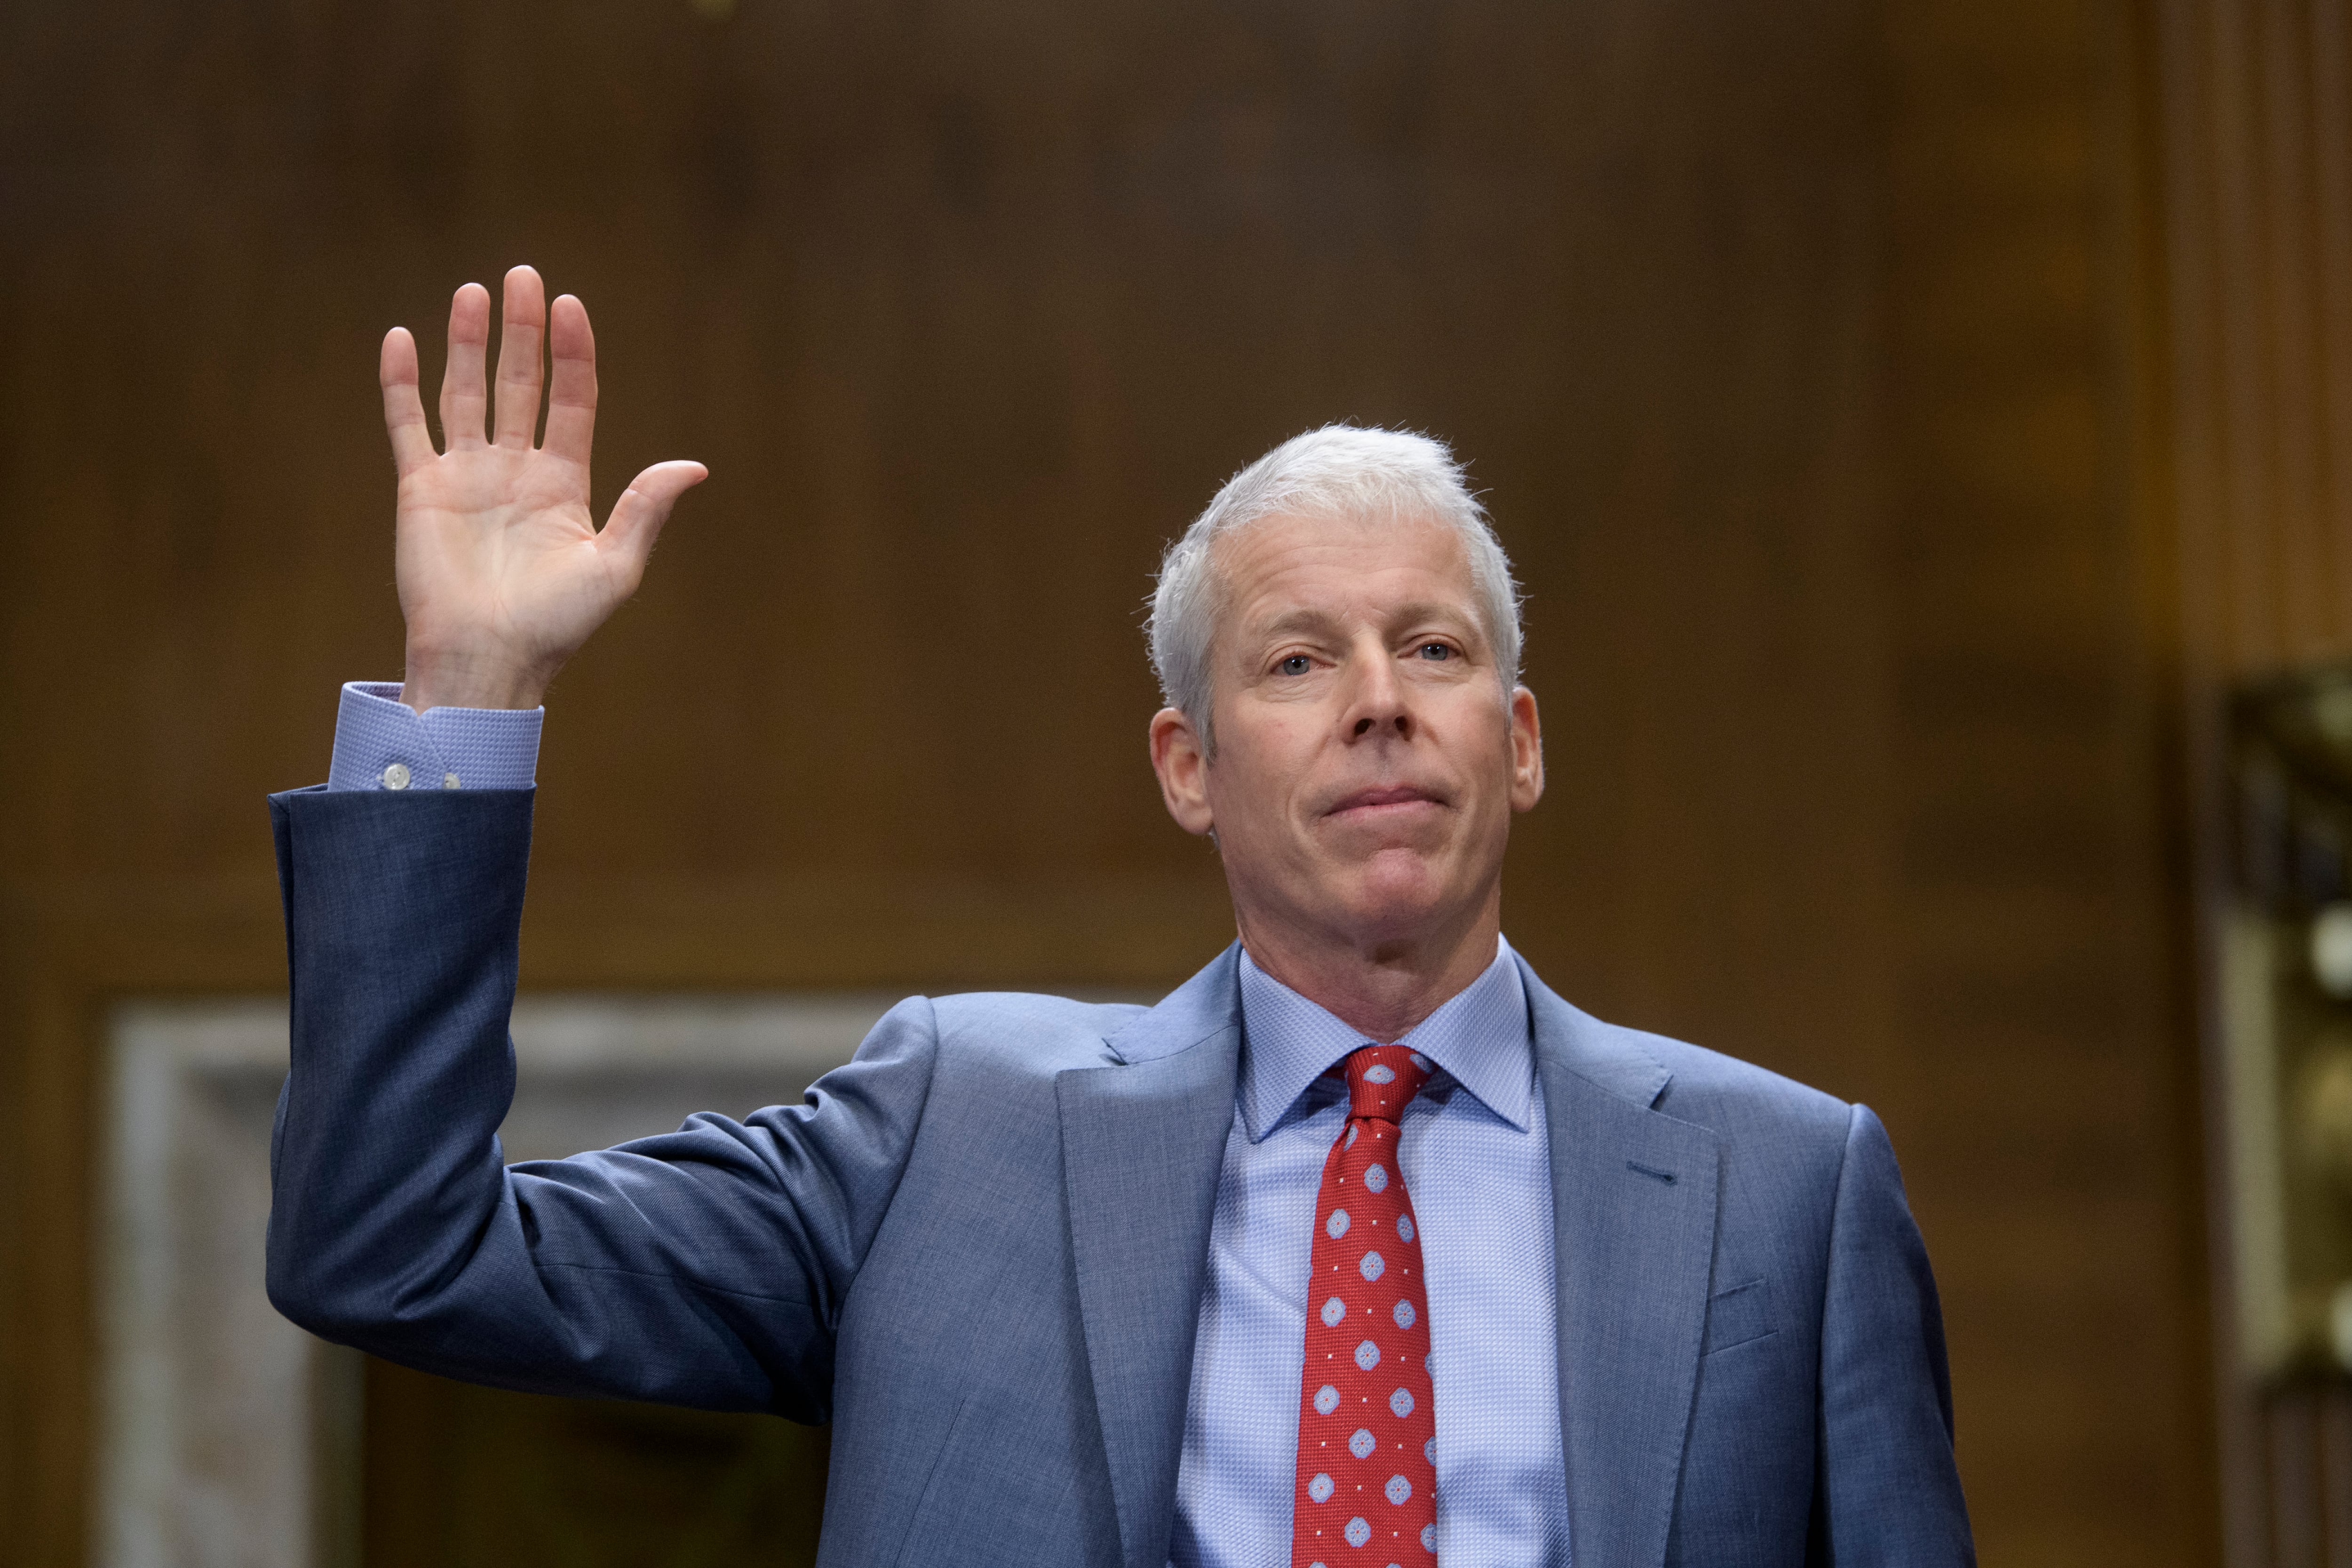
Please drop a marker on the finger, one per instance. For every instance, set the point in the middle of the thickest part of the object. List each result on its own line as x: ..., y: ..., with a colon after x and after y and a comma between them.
x: 522, y: 331
x: 638, y: 517
x: 571, y: 395
x: 462, y: 395
x: 404, y: 411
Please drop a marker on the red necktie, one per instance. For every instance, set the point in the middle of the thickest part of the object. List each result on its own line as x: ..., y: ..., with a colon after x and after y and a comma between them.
x: 1367, y: 1429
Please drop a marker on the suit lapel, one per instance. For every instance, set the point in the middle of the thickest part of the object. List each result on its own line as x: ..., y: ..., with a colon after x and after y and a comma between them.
x: 1142, y: 1146
x: 1634, y: 1216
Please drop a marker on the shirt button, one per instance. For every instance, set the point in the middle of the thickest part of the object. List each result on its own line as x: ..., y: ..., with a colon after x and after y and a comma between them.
x: 396, y: 776
x: 448, y: 781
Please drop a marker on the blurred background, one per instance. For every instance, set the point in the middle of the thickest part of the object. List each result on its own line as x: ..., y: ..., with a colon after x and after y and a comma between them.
x: 1924, y: 430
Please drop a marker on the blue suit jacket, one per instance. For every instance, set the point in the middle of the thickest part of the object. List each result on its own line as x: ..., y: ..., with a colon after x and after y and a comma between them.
x: 979, y: 1249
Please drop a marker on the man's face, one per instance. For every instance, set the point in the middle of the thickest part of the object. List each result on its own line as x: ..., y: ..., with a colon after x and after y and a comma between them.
x: 1367, y: 762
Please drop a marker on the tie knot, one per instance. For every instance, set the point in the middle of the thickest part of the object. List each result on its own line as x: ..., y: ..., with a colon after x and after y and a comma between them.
x: 1382, y: 1079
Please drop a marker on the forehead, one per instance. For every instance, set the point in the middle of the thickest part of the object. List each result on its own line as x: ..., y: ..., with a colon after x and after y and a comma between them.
x: 1342, y: 567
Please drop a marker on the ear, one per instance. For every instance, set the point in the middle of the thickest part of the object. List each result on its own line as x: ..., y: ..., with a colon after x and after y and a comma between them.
x: 1527, y: 750
x: 1182, y: 766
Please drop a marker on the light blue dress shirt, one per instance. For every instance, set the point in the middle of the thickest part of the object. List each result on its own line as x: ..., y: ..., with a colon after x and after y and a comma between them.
x: 1475, y: 1150
x: 1476, y: 1154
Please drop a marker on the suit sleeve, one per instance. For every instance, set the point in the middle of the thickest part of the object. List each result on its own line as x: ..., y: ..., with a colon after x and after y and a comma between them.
x: 1888, y: 1489
x: 703, y: 1268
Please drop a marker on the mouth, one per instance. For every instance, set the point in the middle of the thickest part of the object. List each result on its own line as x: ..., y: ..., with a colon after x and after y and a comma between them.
x: 1383, y: 800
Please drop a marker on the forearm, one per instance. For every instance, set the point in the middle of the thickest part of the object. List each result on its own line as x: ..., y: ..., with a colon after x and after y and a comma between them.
x: 703, y: 1267
x: 395, y: 1225
x: 387, y: 1181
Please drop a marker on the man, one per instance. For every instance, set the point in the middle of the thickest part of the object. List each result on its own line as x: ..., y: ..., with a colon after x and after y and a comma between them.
x: 1360, y: 1247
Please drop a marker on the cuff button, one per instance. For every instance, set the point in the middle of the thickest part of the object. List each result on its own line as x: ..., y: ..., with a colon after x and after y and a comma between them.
x: 448, y: 781
x: 396, y: 776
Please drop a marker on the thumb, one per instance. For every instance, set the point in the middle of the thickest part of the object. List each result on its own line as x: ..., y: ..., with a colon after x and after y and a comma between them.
x: 638, y: 517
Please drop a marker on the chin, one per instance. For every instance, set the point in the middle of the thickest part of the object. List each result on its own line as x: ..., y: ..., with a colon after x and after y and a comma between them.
x: 1390, y: 903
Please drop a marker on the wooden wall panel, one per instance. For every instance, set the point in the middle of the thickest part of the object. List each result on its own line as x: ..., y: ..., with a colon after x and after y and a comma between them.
x: 2038, y: 915
x: 1784, y: 337
x: 2257, y: 129
x: 2256, y: 144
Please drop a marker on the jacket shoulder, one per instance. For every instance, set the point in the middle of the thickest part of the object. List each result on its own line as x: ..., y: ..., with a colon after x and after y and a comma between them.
x: 1675, y: 1078
x: 1029, y: 1033
x: 1708, y: 1084
x: 1784, y: 1144
x: 1745, y: 1104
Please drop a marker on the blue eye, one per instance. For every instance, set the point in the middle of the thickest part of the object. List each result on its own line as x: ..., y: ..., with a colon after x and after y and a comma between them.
x: 1296, y: 664
x: 1435, y: 651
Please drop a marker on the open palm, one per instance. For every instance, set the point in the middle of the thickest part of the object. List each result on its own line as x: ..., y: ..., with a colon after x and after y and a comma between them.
x: 502, y: 572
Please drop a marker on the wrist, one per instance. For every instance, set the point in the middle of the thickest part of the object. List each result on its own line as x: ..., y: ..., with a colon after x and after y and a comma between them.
x: 444, y: 679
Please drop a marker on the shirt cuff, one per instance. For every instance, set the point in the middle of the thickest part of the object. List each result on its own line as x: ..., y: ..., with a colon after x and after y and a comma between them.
x: 381, y: 743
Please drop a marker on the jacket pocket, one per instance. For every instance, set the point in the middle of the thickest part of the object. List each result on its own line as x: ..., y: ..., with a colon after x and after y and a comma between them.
x: 1738, y: 1315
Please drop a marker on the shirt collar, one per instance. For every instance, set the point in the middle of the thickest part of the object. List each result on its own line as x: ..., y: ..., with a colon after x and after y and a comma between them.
x: 1479, y: 1037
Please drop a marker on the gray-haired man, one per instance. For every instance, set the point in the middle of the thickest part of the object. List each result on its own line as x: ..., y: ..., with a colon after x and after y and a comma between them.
x: 1363, y: 1246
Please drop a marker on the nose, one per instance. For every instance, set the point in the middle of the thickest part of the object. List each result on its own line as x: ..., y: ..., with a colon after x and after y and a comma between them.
x: 1377, y: 701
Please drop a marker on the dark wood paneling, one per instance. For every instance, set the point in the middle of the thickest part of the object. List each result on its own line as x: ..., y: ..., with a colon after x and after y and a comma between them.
x: 2254, y: 143
x: 2045, y: 1085
x: 474, y: 1477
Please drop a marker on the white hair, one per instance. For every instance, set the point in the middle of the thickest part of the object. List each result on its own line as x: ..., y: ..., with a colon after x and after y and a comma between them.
x: 1342, y: 472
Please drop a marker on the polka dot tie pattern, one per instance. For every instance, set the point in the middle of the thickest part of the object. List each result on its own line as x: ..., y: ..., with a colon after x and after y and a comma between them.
x: 1367, y: 1428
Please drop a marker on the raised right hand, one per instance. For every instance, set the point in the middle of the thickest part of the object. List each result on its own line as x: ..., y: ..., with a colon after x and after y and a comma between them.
x: 502, y: 574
